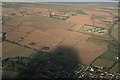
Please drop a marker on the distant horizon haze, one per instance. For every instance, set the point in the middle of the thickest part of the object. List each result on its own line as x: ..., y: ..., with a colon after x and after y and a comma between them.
x: 59, y: 1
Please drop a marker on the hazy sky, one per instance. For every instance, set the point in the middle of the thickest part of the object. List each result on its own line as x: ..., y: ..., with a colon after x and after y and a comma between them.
x: 57, y: 0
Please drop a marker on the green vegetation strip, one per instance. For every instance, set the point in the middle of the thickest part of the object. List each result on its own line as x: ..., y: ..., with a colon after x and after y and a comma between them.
x: 109, y: 8
x: 99, y: 39
x: 77, y: 11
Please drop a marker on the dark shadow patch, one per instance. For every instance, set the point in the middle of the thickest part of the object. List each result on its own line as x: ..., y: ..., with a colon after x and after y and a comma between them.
x: 59, y: 63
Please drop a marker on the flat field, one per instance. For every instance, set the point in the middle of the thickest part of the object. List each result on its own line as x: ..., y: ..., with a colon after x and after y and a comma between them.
x: 41, y: 39
x: 103, y: 62
x: 88, y: 52
x: 115, y: 68
x: 43, y: 23
x: 13, y: 50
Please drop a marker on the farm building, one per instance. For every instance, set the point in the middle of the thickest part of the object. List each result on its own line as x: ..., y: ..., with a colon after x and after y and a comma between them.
x: 58, y: 15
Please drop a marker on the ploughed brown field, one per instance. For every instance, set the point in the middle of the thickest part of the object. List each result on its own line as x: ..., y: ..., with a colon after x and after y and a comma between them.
x: 14, y: 50
x: 89, y: 51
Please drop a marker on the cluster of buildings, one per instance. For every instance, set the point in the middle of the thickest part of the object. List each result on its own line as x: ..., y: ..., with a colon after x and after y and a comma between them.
x: 61, y: 15
x: 90, y: 72
x: 96, y: 30
x: 116, y: 58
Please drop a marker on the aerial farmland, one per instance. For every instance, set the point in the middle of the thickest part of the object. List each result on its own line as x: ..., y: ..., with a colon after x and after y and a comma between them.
x: 91, y: 31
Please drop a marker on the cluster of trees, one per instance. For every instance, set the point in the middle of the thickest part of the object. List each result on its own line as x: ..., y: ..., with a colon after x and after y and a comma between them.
x: 15, y: 64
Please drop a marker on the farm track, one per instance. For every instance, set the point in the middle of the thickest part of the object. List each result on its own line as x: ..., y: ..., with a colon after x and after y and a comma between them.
x: 60, y: 42
x: 113, y: 65
x: 19, y: 44
x: 26, y: 36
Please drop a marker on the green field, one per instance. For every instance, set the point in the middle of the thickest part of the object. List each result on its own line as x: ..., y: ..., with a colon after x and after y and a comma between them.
x: 108, y: 58
x: 115, y: 68
x: 13, y: 50
x: 98, y: 39
x: 112, y: 9
x: 103, y: 63
x: 112, y: 51
x: 109, y: 55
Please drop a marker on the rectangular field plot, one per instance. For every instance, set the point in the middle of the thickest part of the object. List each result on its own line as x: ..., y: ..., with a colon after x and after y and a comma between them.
x: 15, y: 21
x: 99, y: 39
x: 19, y: 33
x: 116, y: 67
x: 7, y: 28
x: 103, y: 63
x: 89, y: 52
x: 15, y: 36
x: 13, y: 50
x: 109, y: 55
x: 39, y: 39
x: 24, y: 29
x: 69, y: 42
x: 66, y: 34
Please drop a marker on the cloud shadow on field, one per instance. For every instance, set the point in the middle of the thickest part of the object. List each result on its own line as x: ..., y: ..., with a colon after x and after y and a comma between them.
x: 59, y: 63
